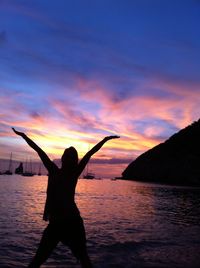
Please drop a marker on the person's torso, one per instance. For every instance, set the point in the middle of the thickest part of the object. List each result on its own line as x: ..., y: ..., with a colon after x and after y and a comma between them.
x: 60, y: 201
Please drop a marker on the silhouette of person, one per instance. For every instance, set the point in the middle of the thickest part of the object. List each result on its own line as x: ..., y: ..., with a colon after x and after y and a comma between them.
x: 65, y: 222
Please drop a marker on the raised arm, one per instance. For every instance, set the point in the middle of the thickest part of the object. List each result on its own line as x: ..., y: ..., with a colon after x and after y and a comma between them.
x: 95, y: 149
x: 43, y: 156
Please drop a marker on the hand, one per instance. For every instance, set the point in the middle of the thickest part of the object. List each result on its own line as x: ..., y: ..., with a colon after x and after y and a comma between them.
x: 17, y: 132
x: 112, y: 137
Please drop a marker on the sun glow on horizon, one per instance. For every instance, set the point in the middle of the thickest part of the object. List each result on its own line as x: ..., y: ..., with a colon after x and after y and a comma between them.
x: 80, y: 81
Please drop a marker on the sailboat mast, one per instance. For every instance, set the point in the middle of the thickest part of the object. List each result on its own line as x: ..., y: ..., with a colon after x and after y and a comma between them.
x: 10, y: 162
x: 26, y: 168
x: 88, y: 162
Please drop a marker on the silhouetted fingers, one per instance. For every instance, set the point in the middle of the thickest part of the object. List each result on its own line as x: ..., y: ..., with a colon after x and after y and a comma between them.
x: 16, y: 132
x: 113, y: 137
x: 116, y: 137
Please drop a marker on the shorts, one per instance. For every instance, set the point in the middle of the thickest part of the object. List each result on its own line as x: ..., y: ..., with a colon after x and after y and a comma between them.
x: 70, y: 232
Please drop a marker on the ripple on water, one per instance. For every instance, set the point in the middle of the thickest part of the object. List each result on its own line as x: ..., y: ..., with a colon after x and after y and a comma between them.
x: 128, y: 224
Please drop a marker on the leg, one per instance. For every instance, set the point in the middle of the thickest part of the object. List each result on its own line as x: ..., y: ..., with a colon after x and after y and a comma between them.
x: 46, y: 246
x: 77, y: 244
x: 80, y: 252
x: 73, y: 235
x: 85, y: 260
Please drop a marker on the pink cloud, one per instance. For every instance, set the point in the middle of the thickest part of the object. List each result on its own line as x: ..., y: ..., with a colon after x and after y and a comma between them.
x: 83, y: 125
x: 118, y: 115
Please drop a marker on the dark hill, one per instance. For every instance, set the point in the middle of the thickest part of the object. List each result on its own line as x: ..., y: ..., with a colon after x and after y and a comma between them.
x: 176, y: 161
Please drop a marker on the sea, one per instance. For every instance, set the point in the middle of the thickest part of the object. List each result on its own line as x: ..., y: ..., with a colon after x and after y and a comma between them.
x: 128, y: 224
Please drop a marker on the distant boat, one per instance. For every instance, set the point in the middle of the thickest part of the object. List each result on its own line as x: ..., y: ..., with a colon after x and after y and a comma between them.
x: 89, y: 176
x: 116, y: 178
x: 9, y: 170
x: 28, y: 173
x: 19, y: 169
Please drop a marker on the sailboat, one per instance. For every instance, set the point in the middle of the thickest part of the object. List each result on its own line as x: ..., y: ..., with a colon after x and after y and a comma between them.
x: 19, y: 169
x: 88, y: 175
x: 28, y: 173
x: 9, y: 170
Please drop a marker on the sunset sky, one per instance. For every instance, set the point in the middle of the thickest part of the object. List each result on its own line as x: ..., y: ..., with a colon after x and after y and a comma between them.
x: 72, y: 72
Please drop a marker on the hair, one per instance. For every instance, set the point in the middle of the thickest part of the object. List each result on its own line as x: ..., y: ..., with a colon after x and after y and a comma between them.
x: 69, y: 158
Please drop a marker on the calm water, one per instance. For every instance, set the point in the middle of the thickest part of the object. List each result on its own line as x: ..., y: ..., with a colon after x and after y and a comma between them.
x: 128, y: 224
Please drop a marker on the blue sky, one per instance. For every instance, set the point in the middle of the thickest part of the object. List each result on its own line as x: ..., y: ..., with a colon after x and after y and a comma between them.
x: 72, y: 72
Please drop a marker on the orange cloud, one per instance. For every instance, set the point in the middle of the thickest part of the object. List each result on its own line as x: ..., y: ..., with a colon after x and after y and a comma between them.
x: 93, y: 112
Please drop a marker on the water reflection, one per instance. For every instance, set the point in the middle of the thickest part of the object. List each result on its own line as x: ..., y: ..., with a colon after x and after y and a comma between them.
x: 129, y: 224
x: 184, y: 205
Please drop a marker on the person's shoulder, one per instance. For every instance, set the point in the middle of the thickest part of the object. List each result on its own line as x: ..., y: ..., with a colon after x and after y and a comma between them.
x: 53, y: 169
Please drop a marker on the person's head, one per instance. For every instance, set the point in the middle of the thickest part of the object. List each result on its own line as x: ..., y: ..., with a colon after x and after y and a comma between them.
x: 69, y: 158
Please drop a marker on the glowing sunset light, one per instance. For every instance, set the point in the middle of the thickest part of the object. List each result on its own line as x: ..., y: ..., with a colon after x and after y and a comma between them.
x: 85, y: 75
